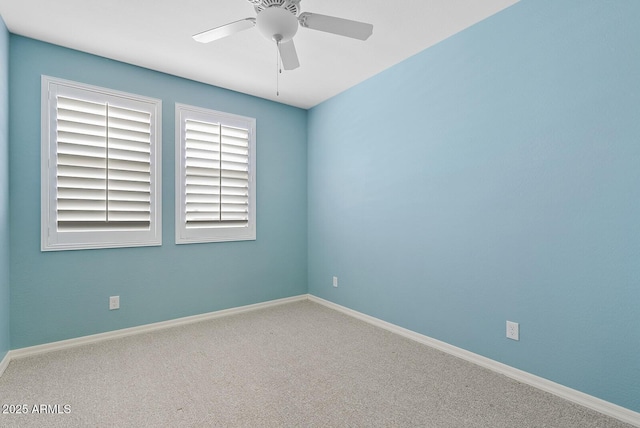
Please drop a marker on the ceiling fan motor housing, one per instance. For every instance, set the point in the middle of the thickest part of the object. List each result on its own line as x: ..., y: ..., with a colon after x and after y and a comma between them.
x: 260, y: 5
x: 277, y: 24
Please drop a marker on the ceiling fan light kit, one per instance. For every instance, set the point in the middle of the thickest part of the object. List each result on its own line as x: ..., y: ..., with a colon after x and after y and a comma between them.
x: 278, y: 20
x: 277, y: 24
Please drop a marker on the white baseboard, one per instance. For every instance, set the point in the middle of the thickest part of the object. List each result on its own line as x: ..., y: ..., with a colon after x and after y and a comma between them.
x: 604, y: 407
x: 5, y: 363
x: 585, y: 400
x: 71, y: 343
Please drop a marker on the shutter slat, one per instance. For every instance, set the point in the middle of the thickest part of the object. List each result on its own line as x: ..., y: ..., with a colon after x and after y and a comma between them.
x: 71, y: 115
x: 81, y: 183
x: 81, y: 215
x: 195, y: 198
x: 197, y: 180
x: 205, y: 127
x: 75, y: 104
x: 235, y: 142
x: 201, y: 163
x: 129, y: 125
x: 210, y: 216
x: 237, y: 191
x: 233, y: 166
x: 129, y: 217
x: 69, y: 138
x: 233, y: 132
x: 202, y: 172
x: 79, y: 149
x: 232, y: 182
x: 129, y: 186
x: 80, y: 172
x: 193, y: 189
x: 129, y: 135
x: 81, y: 204
x: 125, y: 206
x: 203, y: 207
x: 234, y: 208
x: 191, y: 144
x: 81, y: 128
x: 129, y: 155
x: 128, y: 175
x: 201, y: 136
x: 86, y: 194
x: 237, y: 159
x: 125, y: 165
x: 123, y: 195
x: 132, y: 146
x: 236, y: 150
x: 235, y: 199
x: 212, y: 154
x: 241, y: 175
x: 129, y: 114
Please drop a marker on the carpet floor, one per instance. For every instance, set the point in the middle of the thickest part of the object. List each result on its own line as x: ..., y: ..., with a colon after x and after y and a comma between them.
x: 294, y: 365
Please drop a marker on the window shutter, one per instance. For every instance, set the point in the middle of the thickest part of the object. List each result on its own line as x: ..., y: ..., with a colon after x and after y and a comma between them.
x: 216, y: 175
x: 103, y: 166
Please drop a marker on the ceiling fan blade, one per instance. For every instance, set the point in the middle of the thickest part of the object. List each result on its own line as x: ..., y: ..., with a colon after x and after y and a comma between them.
x: 224, y: 30
x: 340, y: 26
x: 288, y: 55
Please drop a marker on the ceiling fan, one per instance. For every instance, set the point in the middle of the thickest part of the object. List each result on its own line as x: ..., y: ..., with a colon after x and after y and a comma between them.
x: 278, y: 20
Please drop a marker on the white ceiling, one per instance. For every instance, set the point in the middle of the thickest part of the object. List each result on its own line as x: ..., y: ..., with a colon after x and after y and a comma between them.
x: 156, y: 34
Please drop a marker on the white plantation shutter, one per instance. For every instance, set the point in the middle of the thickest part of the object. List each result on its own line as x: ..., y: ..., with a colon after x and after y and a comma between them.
x: 217, y: 175
x: 102, y: 168
x: 81, y: 162
x: 129, y: 172
x: 216, y: 195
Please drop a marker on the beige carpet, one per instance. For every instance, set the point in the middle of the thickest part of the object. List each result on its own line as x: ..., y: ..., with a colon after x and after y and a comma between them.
x: 298, y: 365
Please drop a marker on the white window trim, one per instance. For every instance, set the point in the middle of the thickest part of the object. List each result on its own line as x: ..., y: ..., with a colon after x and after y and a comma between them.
x: 186, y: 235
x: 51, y: 238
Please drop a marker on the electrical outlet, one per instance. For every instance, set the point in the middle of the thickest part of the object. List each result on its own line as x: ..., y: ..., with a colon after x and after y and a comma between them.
x: 335, y: 281
x: 114, y: 302
x: 513, y: 330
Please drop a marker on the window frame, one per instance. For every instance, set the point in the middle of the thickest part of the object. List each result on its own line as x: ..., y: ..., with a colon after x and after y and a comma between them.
x: 192, y: 235
x: 53, y: 239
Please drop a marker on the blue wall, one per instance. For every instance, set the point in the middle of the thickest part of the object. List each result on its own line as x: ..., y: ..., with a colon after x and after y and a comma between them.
x: 60, y: 295
x: 491, y: 177
x: 494, y: 177
x: 4, y: 190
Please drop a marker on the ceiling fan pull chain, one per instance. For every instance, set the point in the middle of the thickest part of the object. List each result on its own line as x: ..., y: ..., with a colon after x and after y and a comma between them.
x: 278, y: 70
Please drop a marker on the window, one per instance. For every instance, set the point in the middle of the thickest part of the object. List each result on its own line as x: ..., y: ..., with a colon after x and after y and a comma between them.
x: 215, y: 176
x: 100, y: 168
